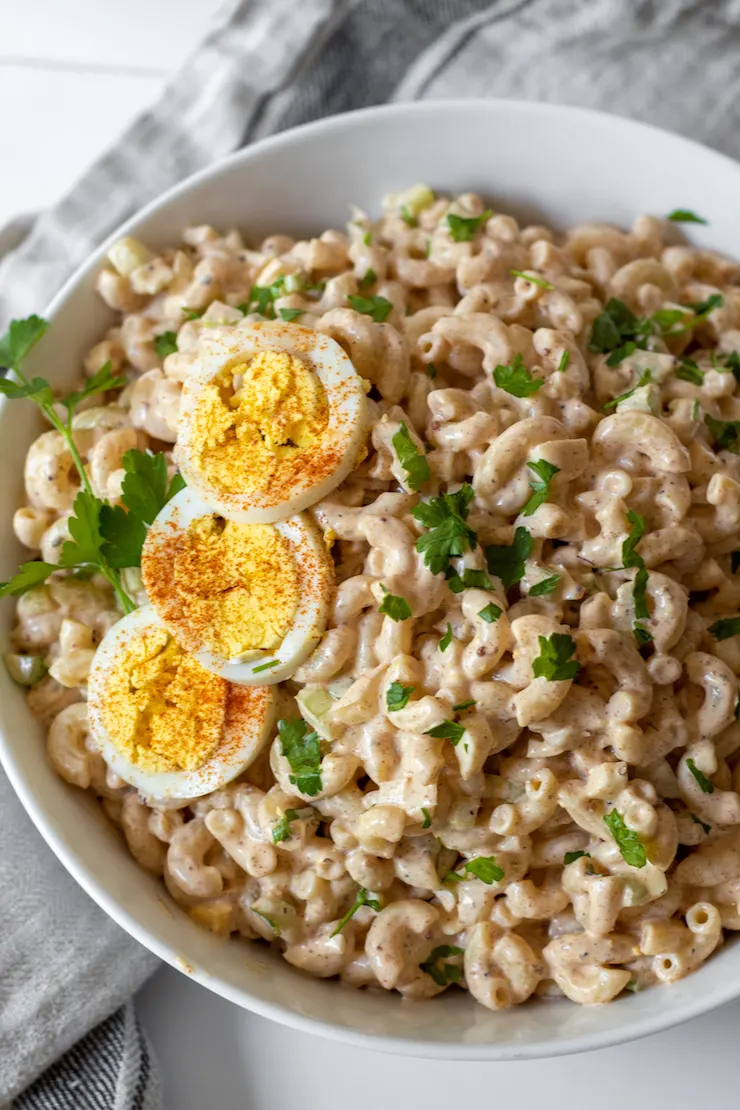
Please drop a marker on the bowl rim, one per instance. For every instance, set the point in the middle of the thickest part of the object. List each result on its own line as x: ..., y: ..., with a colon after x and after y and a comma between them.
x: 641, y: 1025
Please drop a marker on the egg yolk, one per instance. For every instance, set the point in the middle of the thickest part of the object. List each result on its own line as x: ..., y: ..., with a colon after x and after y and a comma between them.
x: 236, y: 585
x: 162, y: 709
x: 253, y: 415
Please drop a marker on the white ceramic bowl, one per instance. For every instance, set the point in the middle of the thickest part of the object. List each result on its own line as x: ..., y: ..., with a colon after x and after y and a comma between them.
x: 553, y: 164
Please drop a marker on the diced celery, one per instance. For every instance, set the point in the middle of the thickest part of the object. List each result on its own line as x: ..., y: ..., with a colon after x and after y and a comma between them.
x: 127, y: 255
x: 415, y: 199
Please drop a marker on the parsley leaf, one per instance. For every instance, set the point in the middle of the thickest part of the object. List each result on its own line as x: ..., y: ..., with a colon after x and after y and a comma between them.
x: 427, y: 818
x: 377, y: 307
x: 289, y: 314
x: 85, y: 547
x: 29, y: 575
x: 369, y: 279
x: 571, y: 857
x: 262, y: 298
x: 302, y: 748
x: 707, y: 786
x: 166, y: 344
x: 530, y: 277
x: 616, y: 328
x: 685, y: 216
x: 448, y: 533
x: 397, y: 696
x: 468, y: 580
x: 490, y: 613
x: 393, y: 606
x: 516, y: 379
x: 554, y: 662
x: 431, y: 371
x: 192, y: 313
x: 413, y: 461
x: 124, y: 536
x: 544, y: 586
x: 20, y: 337
x: 724, y: 628
x: 447, y: 730
x: 638, y: 527
x: 446, y: 640
x: 688, y: 371
x: 725, y: 433
x: 697, y: 821
x: 463, y: 228
x: 484, y: 868
x: 408, y: 217
x: 442, y: 973
x: 462, y: 705
x: 546, y: 471
x: 37, y: 390
x: 630, y: 846
x: 564, y: 360
x: 639, y: 595
x: 506, y: 561
x: 283, y: 830
x: 362, y: 899
x: 145, y: 490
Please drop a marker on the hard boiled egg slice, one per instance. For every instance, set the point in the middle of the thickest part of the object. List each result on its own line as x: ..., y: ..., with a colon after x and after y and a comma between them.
x: 273, y: 418
x: 162, y: 721
x: 250, y: 601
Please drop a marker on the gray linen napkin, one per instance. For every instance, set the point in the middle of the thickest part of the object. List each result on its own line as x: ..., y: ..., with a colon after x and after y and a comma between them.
x: 267, y: 65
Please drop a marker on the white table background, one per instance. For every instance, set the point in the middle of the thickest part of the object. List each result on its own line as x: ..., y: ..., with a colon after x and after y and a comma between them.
x: 73, y: 73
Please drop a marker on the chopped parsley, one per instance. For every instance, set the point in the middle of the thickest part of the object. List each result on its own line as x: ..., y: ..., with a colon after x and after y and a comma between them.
x: 463, y: 705
x: 564, y: 360
x: 262, y: 297
x: 530, y: 277
x: 725, y: 433
x: 643, y: 636
x: 446, y: 640
x: 192, y: 313
x: 639, y: 594
x: 685, y: 216
x: 469, y: 579
x: 379, y: 308
x: 393, y: 606
x: 707, y: 786
x: 484, y: 868
x: 544, y: 586
x: 413, y: 461
x: 697, y: 821
x: 166, y: 344
x: 369, y: 279
x: 431, y: 371
x: 463, y: 228
x: 284, y: 830
x: 645, y: 379
x: 688, y: 371
x: 362, y: 899
x: 571, y: 857
x: 724, y: 628
x: 427, y: 818
x: 507, y: 561
x: 302, y: 748
x: 516, y: 379
x: 408, y: 217
x: 638, y: 527
x: 545, y: 471
x: 627, y: 840
x: 554, y: 661
x: 442, y: 973
x: 367, y: 238
x: 448, y: 533
x: 490, y: 613
x: 618, y: 332
x: 397, y: 696
x: 289, y: 314
x: 447, y: 730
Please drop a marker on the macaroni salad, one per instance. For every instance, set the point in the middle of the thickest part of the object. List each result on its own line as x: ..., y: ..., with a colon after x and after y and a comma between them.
x: 518, y: 736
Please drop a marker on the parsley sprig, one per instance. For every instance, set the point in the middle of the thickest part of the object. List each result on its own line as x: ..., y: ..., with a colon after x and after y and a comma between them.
x: 379, y: 308
x: 448, y: 533
x: 484, y: 868
x: 516, y: 379
x: 507, y: 560
x: 463, y: 228
x: 724, y: 628
x: 397, y: 696
x: 394, y: 606
x: 104, y: 537
x: 618, y: 332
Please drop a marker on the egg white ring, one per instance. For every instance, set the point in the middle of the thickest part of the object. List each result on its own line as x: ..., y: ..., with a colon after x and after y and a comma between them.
x: 315, y: 570
x: 250, y: 721
x: 340, y: 445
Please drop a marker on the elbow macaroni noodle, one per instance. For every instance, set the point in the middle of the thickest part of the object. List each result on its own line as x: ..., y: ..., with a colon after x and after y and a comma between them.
x: 647, y: 733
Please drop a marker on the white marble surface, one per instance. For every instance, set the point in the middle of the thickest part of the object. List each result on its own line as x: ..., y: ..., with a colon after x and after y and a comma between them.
x: 72, y: 74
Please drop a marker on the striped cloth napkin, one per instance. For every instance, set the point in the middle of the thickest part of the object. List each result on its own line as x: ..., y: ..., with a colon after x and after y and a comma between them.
x: 265, y: 66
